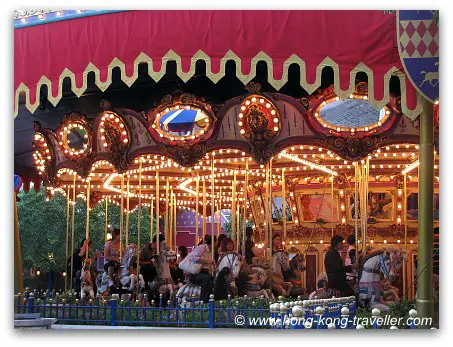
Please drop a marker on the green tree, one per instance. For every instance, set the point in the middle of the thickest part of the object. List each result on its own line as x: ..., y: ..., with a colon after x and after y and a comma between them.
x: 42, y: 228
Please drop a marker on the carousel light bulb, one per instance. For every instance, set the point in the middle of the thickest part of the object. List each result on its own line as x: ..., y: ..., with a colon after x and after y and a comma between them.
x: 276, y: 128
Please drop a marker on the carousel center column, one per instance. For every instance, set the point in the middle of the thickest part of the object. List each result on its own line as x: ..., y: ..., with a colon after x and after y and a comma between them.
x: 425, y: 305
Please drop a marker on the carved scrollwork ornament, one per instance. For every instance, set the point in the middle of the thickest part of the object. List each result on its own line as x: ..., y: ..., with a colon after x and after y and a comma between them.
x: 259, y: 123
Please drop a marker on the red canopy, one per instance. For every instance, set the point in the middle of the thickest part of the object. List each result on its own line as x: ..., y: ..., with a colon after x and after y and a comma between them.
x: 347, y: 41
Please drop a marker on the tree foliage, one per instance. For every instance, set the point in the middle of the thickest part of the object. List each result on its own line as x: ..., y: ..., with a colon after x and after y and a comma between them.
x: 42, y: 228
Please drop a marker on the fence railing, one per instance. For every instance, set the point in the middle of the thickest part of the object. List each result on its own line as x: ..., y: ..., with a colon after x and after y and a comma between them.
x: 243, y: 312
x: 259, y: 313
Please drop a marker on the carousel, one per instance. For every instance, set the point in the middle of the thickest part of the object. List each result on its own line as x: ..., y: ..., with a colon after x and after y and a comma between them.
x: 306, y: 169
x: 335, y: 150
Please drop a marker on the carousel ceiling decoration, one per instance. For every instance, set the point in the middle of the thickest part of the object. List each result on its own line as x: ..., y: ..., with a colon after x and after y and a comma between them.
x: 187, y: 144
x: 75, y: 137
x: 44, y: 58
x: 259, y: 123
x: 186, y: 119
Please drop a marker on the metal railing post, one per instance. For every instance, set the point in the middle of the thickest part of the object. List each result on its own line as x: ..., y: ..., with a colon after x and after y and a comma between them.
x: 113, y: 312
x: 211, y: 315
x: 31, y: 299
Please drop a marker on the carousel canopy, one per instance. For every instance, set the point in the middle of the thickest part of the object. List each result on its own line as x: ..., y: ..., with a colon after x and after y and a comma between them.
x: 350, y: 42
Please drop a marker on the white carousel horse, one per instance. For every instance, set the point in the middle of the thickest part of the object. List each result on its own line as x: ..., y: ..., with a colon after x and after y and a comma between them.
x: 229, y: 265
x: 124, y: 277
x: 280, y: 264
x: 189, y: 293
x: 388, y: 262
x: 255, y: 281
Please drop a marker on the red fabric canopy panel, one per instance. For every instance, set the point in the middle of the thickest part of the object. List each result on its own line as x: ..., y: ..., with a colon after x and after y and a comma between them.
x: 347, y: 41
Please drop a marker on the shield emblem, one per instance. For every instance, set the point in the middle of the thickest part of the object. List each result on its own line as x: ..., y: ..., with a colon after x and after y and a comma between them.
x: 418, y: 46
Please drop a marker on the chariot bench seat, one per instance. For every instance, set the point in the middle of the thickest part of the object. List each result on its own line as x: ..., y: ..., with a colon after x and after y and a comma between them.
x: 32, y: 320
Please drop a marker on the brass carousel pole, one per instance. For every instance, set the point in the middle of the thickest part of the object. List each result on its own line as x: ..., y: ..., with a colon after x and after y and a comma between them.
x: 265, y: 205
x: 233, y: 207
x: 405, y: 232
x: 139, y: 222
x: 128, y: 209
x: 106, y: 226
x: 122, y: 215
x: 167, y: 192
x: 87, y: 226
x: 356, y: 207
x: 151, y: 222
x: 284, y: 203
x: 269, y: 204
x: 175, y: 204
x: 197, y: 205
x: 212, y: 205
x: 238, y: 226
x: 219, y: 222
x: 204, y: 210
x: 332, y: 205
x: 405, y: 209
x: 73, y: 227
x: 425, y: 304
x: 246, y: 184
x: 170, y: 220
x: 157, y: 210
x: 68, y: 204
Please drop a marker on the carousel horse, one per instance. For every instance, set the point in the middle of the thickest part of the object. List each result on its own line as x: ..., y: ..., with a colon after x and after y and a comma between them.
x: 163, y: 282
x: 103, y: 284
x: 388, y: 262
x: 252, y: 280
x: 125, y: 276
x: 280, y: 264
x: 86, y: 278
x: 294, y: 274
x: 228, y: 268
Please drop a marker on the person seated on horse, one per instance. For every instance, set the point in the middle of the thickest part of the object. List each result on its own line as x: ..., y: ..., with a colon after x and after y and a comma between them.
x: 176, y: 273
x: 251, y: 251
x: 202, y: 255
x: 228, y: 267
x: 86, y: 278
x: 218, y: 247
x: 111, y: 254
x: 335, y: 268
x: 148, y: 255
x: 280, y: 264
